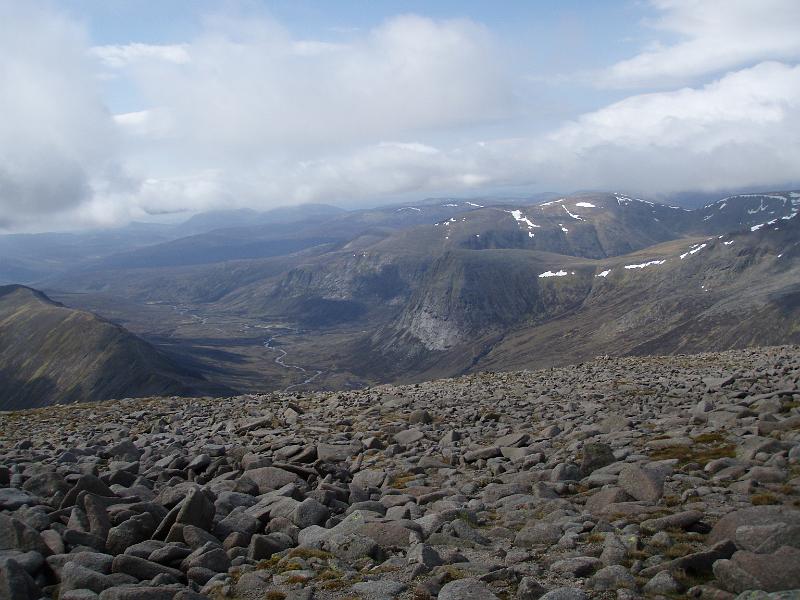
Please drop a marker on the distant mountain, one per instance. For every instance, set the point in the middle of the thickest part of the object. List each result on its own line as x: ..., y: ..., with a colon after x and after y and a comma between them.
x: 225, y: 219
x: 445, y: 286
x: 50, y: 354
x: 31, y: 258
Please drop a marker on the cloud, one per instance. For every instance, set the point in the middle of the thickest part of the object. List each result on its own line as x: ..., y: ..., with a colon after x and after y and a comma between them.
x: 117, y: 56
x: 251, y: 87
x: 713, y: 36
x: 738, y: 131
x: 56, y: 136
x: 246, y: 114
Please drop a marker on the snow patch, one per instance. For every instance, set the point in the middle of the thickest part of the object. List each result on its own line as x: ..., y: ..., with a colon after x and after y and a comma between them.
x: 552, y: 202
x: 577, y: 217
x: 625, y: 199
x: 585, y: 205
x: 603, y: 273
x: 646, y: 264
x: 564, y: 229
x: 559, y: 273
x: 522, y: 219
x: 693, y: 250
x: 473, y: 204
x: 409, y: 208
x: 728, y: 243
x: 449, y: 204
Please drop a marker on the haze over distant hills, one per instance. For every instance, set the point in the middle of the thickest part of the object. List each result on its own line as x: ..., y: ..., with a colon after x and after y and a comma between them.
x: 316, y: 296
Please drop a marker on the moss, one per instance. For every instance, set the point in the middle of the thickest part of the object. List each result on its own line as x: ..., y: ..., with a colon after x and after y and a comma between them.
x: 678, y: 550
x: 764, y: 498
x: 712, y: 437
x: 450, y: 573
x: 329, y: 574
x: 595, y: 538
x: 707, y: 447
x: 268, y: 564
x: 334, y: 584
x: 291, y: 566
x: 400, y: 480
x: 306, y: 553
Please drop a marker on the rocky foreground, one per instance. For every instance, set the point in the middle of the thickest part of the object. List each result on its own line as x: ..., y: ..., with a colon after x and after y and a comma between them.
x: 618, y: 478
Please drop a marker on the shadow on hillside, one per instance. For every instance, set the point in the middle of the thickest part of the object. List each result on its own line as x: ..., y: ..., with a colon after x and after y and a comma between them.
x: 16, y: 394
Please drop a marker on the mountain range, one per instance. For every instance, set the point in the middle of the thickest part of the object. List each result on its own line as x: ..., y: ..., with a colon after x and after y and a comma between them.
x: 315, y: 296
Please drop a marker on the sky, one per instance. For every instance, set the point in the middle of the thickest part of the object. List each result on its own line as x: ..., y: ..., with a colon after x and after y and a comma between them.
x: 114, y: 111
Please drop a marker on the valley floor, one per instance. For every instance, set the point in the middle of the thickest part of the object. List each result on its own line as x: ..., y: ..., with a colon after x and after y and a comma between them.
x: 635, y: 477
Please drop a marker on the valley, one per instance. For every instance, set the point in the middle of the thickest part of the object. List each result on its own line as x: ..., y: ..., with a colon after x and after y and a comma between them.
x: 420, y: 292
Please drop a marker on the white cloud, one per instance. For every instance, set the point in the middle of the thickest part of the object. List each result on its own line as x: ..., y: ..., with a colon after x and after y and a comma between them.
x: 118, y: 56
x: 714, y: 35
x: 740, y: 130
x: 247, y: 115
x: 56, y: 136
x: 250, y: 87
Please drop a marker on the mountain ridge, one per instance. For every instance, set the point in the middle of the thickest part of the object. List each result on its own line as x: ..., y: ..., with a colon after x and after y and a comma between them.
x: 53, y: 354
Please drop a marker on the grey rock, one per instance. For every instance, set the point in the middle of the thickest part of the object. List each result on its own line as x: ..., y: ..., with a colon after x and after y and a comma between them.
x: 768, y: 572
x: 425, y: 555
x: 767, y: 538
x: 13, y: 498
x: 642, y: 483
x: 726, y: 527
x: 351, y: 546
x: 75, y: 577
x: 466, y: 589
x: 384, y: 589
x: 264, y: 546
x: 310, y: 512
x: 577, y: 566
x: 680, y: 520
x: 30, y: 561
x: 16, y: 535
x: 408, y: 437
x: 538, y: 534
x: 420, y: 416
x: 613, y: 577
x: 663, y: 584
x: 207, y: 557
x: 530, y: 589
x: 196, y: 509
x: 270, y: 478
x: 595, y: 456
x: 564, y: 593
x: 136, y: 529
x: 137, y: 592
x: 16, y: 583
x: 237, y: 520
x: 141, y: 568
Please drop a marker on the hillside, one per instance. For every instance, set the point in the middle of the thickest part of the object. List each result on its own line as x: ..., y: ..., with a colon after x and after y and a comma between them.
x: 51, y: 354
x: 439, y: 288
x: 644, y: 477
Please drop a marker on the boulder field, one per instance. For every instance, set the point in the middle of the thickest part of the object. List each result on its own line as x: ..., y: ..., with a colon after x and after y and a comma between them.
x: 638, y: 477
